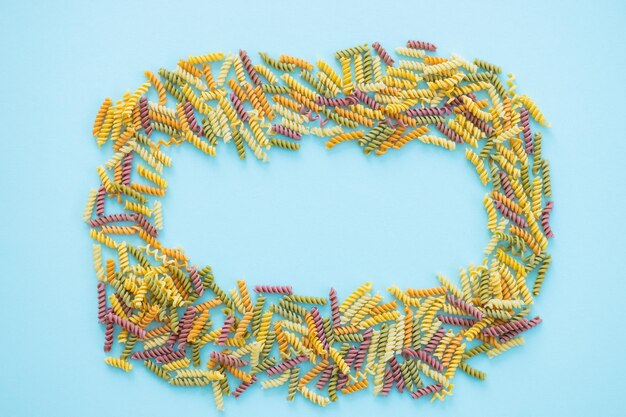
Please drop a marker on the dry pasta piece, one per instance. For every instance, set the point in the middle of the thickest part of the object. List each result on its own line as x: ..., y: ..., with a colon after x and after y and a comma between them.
x: 287, y: 59
x: 119, y: 363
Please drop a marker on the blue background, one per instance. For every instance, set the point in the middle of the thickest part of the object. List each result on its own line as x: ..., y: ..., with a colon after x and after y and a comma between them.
x: 315, y: 218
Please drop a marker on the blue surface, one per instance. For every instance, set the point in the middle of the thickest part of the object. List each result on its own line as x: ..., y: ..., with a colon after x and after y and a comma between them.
x: 316, y: 218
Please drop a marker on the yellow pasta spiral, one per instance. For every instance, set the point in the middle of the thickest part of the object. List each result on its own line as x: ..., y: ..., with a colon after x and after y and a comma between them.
x: 314, y: 397
x: 119, y: 363
x: 348, y: 114
x: 479, y: 164
x: 195, y: 141
x: 438, y: 141
x: 288, y: 59
x: 349, y: 389
x: 533, y: 110
x: 346, y: 82
x: 357, y: 134
x: 211, y: 57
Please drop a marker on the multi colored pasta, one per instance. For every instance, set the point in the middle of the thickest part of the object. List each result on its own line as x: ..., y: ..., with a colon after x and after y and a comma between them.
x: 175, y: 318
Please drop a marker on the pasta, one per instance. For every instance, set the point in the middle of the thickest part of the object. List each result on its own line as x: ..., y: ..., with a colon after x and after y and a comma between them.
x: 190, y: 331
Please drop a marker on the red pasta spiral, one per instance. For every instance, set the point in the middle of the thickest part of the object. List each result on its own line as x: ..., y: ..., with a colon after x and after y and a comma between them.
x: 334, y: 308
x: 545, y: 218
x: 424, y: 357
x: 434, y: 341
x: 429, y: 111
x: 185, y: 325
x: 397, y: 374
x: 506, y: 185
x: 238, y: 105
x: 528, y: 137
x: 112, y: 218
x: 172, y: 339
x: 458, y: 100
x: 342, y: 381
x: 127, y: 310
x: 221, y: 339
x: 191, y: 119
x: 108, y: 336
x: 388, y: 384
x: 143, y: 113
x: 127, y: 168
x: 146, y: 225
x: 515, y: 218
x: 335, y: 102
x: 367, y: 100
x: 443, y: 128
x: 285, y: 131
x: 172, y: 356
x: 244, y: 386
x: 421, y: 45
x: 228, y: 359
x: 384, y: 55
x: 511, y: 334
x: 430, y: 389
x: 488, y: 130
x: 125, y: 324
x: 274, y: 289
x: 319, y: 325
x: 457, y: 321
x: 363, y: 347
x: 196, y: 281
x: 152, y: 353
x: 247, y: 64
x: 506, y: 327
x: 468, y: 308
x: 288, y: 364
x: 351, y: 355
x: 102, y: 301
x: 324, y: 377
x: 100, y: 201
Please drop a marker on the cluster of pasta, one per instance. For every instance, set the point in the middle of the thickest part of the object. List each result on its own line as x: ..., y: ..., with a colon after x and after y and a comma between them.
x: 188, y: 330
